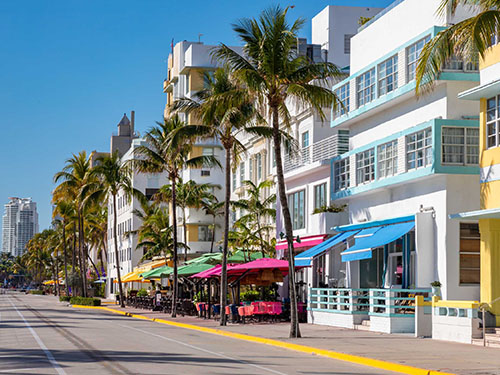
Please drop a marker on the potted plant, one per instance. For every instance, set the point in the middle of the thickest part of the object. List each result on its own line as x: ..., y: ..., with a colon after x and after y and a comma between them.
x: 436, y: 288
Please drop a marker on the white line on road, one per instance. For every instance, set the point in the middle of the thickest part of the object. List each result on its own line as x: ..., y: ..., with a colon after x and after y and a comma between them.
x: 48, y: 354
x: 204, y: 350
x: 9, y: 371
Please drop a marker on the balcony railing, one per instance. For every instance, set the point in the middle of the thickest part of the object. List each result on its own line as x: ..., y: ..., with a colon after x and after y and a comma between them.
x: 322, y: 150
x: 460, y: 65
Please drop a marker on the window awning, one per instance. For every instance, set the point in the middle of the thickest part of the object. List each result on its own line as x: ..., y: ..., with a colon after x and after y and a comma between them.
x: 304, y: 242
x: 305, y: 258
x: 370, y: 238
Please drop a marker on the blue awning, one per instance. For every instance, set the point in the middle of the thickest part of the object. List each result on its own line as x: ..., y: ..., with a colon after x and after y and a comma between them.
x: 305, y: 258
x: 371, y: 238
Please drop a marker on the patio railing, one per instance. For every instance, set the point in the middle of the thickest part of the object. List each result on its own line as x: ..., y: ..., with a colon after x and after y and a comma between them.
x: 395, y: 302
x: 378, y: 302
x: 339, y: 300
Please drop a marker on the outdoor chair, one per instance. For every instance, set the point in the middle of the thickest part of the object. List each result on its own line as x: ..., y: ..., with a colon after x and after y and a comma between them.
x: 216, y: 311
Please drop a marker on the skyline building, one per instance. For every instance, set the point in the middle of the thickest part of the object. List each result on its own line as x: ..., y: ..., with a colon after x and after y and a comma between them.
x: 19, y: 224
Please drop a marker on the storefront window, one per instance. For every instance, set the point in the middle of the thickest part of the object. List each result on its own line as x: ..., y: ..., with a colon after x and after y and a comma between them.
x: 297, y: 209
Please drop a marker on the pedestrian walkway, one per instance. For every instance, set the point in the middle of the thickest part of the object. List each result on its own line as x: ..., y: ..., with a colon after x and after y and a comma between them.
x: 396, y: 348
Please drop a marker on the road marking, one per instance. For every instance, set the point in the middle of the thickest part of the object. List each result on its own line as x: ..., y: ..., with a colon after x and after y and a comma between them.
x: 364, y: 361
x: 19, y: 369
x: 204, y: 350
x: 47, y: 352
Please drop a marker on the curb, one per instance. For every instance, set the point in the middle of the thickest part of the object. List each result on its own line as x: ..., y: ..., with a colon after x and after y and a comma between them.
x: 369, y: 362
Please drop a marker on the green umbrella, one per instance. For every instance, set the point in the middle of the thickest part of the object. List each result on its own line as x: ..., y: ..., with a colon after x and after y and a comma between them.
x: 157, y: 273
x: 191, y: 269
x: 243, y: 257
x: 210, y: 258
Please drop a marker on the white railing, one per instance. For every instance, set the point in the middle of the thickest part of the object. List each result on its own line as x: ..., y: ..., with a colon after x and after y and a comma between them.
x: 395, y: 302
x: 340, y: 300
x: 325, y: 149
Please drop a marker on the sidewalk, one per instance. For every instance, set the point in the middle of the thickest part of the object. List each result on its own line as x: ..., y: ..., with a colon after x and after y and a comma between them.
x: 397, y: 348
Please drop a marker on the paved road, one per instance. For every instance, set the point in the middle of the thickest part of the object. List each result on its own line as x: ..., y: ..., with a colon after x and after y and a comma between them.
x: 41, y: 336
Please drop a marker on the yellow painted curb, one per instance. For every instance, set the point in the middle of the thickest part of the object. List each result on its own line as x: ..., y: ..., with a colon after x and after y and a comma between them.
x: 375, y: 363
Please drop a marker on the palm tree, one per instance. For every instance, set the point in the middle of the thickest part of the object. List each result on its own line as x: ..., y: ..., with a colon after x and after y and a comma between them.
x: 66, y: 211
x: 155, y: 234
x: 226, y: 112
x: 273, y: 73
x: 78, y: 183
x: 466, y: 40
x: 115, y: 177
x: 258, y: 211
x: 162, y: 154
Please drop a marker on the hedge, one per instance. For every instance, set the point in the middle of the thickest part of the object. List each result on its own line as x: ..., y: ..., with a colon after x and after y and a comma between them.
x: 38, y: 292
x: 87, y: 301
x: 64, y: 298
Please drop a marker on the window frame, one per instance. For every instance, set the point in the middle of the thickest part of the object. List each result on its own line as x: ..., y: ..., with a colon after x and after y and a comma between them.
x: 296, y: 204
x: 494, y: 121
x: 320, y: 191
x: 383, y: 81
x: 383, y: 158
x: 366, y: 90
x: 341, y: 168
x: 427, y: 149
x: 258, y: 161
x: 343, y: 95
x: 208, y: 236
x: 469, y: 253
x: 412, y: 65
x: 465, y: 146
x: 367, y: 159
x: 242, y: 172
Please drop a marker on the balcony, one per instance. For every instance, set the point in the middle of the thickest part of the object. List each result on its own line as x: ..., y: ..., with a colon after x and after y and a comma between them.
x: 322, y: 150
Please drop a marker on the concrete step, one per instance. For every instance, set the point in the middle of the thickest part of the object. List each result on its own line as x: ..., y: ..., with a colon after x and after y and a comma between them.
x: 493, y: 337
x: 493, y: 330
x: 361, y: 327
x: 365, y: 323
x: 489, y: 343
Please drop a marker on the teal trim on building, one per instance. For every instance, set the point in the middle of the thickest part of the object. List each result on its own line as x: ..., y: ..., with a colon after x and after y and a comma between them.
x: 435, y: 167
x: 408, y: 87
x: 374, y: 223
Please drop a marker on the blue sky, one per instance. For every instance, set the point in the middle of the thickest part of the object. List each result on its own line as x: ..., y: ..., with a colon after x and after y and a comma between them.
x: 70, y: 69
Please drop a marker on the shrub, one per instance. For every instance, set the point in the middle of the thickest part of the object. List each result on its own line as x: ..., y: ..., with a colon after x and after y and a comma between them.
x: 37, y: 292
x: 250, y: 296
x: 142, y: 293
x: 86, y: 301
x: 64, y: 298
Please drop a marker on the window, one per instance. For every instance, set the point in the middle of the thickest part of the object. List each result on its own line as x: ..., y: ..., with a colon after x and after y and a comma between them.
x: 205, y: 173
x: 342, y: 94
x: 460, y: 145
x: 242, y: 172
x: 150, y: 193
x: 419, y: 149
x: 469, y: 253
x: 234, y: 180
x: 347, y: 43
x: 258, y: 160
x: 412, y: 55
x: 388, y: 75
x: 341, y: 174
x: 187, y: 83
x: 493, y: 122
x: 250, y: 169
x: 388, y: 159
x: 208, y: 151
x: 204, y: 233
x: 320, y: 195
x: 305, y: 139
x: 296, y: 207
x: 365, y: 171
x: 366, y: 87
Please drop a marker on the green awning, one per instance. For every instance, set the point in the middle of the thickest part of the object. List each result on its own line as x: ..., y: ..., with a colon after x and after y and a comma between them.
x: 157, y: 273
x: 191, y: 269
x: 243, y: 257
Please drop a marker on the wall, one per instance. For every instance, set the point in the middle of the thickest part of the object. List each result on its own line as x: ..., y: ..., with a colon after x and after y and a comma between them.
x: 331, y: 24
x: 396, y: 27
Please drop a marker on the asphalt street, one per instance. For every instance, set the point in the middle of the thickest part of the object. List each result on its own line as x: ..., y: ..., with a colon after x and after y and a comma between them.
x: 41, y: 336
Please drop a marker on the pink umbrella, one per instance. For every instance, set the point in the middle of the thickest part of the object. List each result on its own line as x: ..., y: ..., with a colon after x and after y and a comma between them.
x: 214, y: 271
x: 260, y: 264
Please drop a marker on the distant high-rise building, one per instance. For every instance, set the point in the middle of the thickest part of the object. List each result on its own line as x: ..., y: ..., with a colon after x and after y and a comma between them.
x: 19, y: 224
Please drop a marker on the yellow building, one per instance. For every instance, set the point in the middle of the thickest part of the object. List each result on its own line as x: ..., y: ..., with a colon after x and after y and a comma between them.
x: 488, y: 93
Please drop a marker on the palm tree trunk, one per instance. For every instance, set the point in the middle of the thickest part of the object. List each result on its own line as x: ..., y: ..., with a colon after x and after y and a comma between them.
x: 223, y: 278
x: 73, y: 264
x: 66, y: 286
x: 80, y: 257
x: 294, y: 316
x: 213, y: 236
x: 174, y: 227
x: 259, y: 230
x: 117, y: 258
x: 54, y: 273
x: 184, y: 227
x: 84, y: 254
x: 58, y: 289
